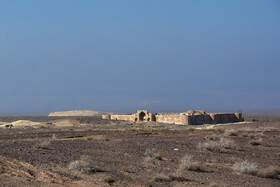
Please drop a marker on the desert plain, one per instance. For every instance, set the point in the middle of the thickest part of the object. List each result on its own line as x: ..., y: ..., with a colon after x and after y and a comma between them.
x: 89, y: 151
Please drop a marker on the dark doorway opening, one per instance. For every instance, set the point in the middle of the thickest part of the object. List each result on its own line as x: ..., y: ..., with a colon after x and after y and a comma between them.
x: 142, y: 116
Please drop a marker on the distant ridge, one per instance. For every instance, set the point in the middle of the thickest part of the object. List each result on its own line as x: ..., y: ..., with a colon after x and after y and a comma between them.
x: 79, y: 113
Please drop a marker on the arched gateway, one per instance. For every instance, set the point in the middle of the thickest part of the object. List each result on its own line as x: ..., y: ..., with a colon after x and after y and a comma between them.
x: 142, y: 115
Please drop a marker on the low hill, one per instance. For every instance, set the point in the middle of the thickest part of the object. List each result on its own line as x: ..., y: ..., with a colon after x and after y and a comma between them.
x: 79, y: 113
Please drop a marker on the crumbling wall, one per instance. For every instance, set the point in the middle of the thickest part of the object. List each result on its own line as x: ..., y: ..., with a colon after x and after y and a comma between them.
x: 238, y: 117
x: 199, y: 119
x: 212, y: 118
x: 124, y: 117
x: 190, y: 118
x: 106, y: 116
x: 226, y: 117
x: 171, y: 118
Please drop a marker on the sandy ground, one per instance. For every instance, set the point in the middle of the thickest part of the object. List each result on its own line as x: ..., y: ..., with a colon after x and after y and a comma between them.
x: 38, y: 151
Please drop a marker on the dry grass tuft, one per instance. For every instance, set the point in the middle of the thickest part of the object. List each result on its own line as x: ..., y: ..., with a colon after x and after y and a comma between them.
x: 187, y: 163
x: 245, y: 167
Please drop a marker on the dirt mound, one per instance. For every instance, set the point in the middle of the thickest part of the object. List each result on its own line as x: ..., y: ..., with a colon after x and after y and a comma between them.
x: 24, y: 123
x: 79, y: 113
x: 15, y: 172
x: 195, y: 112
x: 66, y: 122
x: 18, y: 173
x: 21, y: 123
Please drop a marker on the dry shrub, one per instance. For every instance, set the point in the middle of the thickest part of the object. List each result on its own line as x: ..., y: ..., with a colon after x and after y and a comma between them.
x: 2, y: 169
x: 53, y: 137
x: 162, y: 178
x: 89, y: 138
x: 220, y: 130
x: 245, y: 167
x: 247, y: 129
x: 83, y: 167
x: 152, y: 156
x: 109, y: 180
x: 216, y: 146
x: 256, y: 142
x: 153, y: 153
x: 170, y: 178
x: 227, y: 143
x: 178, y: 178
x: 187, y: 163
x: 231, y: 132
x: 215, y: 185
x: 210, y: 146
x: 269, y: 172
x: 260, y: 135
x: 43, y: 145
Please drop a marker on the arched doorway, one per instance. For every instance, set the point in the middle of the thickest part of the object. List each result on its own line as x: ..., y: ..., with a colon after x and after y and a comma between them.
x: 142, y: 116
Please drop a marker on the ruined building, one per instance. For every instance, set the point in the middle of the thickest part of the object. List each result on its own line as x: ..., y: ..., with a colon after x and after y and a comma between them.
x: 191, y: 117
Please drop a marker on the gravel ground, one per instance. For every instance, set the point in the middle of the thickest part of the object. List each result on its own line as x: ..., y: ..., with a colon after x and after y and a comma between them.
x: 135, y: 154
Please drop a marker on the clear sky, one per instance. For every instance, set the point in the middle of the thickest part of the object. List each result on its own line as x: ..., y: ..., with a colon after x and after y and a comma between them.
x: 122, y: 56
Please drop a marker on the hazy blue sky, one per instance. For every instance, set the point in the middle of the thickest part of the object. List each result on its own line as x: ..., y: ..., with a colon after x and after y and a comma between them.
x: 127, y: 55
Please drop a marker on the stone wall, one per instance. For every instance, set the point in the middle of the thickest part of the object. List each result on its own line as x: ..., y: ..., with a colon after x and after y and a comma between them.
x: 124, y: 117
x: 171, y: 118
x: 188, y: 118
x: 213, y: 118
x: 106, y: 116
x: 200, y: 119
x: 226, y: 117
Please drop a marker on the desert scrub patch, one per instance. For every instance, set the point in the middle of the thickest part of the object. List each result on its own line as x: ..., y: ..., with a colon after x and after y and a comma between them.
x: 83, y: 166
x: 169, y: 178
x: 162, y: 178
x: 217, y: 146
x: 187, y: 163
x: 152, y: 156
x: 245, y: 167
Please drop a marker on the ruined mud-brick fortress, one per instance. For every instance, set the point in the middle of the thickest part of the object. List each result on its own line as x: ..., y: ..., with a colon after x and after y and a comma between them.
x: 191, y: 117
